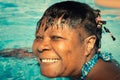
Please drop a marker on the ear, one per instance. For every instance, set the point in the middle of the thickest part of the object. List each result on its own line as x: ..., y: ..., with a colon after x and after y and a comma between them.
x: 89, y: 44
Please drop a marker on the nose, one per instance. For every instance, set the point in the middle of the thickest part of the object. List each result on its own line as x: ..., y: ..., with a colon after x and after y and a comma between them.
x: 43, y: 46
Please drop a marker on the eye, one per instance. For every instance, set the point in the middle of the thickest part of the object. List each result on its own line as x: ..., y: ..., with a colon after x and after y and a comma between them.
x: 39, y: 37
x: 56, y: 37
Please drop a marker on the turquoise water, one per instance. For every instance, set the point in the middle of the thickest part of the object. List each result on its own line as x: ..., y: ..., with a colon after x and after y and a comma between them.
x: 17, y: 27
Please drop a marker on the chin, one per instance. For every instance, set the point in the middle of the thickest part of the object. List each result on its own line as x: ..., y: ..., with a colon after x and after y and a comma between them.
x: 51, y: 69
x: 50, y: 74
x: 54, y: 73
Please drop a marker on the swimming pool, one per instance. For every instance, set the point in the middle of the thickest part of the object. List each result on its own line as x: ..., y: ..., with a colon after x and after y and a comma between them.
x: 17, y: 27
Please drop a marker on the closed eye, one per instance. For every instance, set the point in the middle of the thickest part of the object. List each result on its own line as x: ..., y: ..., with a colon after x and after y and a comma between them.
x: 39, y: 37
x: 56, y: 37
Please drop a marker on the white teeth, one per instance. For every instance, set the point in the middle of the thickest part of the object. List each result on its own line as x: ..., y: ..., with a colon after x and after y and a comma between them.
x: 49, y: 60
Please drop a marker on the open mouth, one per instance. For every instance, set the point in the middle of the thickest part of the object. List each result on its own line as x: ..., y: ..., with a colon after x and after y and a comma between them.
x: 49, y: 60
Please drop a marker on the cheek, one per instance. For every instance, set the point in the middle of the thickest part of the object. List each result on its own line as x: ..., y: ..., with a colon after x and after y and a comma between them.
x: 75, y: 56
x: 63, y: 51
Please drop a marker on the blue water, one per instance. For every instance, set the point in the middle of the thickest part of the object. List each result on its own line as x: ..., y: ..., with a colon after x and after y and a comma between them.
x: 17, y: 28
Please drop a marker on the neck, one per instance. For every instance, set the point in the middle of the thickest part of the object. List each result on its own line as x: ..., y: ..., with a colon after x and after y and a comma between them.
x: 102, y: 66
x: 85, y: 60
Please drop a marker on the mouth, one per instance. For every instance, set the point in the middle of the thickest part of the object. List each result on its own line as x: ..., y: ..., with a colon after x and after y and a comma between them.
x: 49, y: 60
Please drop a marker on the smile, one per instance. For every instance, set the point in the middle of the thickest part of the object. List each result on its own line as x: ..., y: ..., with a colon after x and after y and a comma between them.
x: 50, y: 60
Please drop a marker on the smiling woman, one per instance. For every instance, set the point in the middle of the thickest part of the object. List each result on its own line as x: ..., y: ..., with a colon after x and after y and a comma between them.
x: 67, y: 43
x: 108, y: 3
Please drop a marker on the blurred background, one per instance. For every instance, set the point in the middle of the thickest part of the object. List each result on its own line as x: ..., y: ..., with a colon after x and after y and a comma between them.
x: 18, y: 20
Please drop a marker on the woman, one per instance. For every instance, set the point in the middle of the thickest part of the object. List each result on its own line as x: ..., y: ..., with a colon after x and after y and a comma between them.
x: 67, y: 43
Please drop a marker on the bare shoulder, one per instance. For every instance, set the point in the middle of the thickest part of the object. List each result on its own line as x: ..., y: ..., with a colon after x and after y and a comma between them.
x: 105, y: 71
x: 117, y: 64
x: 117, y: 77
x: 112, y: 70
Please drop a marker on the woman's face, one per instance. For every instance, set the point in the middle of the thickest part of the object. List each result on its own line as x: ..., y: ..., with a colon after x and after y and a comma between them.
x: 59, y: 51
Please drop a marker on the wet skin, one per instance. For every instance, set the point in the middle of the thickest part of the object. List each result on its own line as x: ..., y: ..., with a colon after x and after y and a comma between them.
x: 58, y: 50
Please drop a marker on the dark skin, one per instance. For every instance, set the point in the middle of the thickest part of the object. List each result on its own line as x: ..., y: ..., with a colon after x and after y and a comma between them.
x: 59, y: 50
x: 103, y: 71
x: 57, y: 42
x: 106, y: 70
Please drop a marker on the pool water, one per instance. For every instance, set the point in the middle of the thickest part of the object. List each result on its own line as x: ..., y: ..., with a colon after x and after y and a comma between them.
x: 21, y: 69
x: 18, y: 20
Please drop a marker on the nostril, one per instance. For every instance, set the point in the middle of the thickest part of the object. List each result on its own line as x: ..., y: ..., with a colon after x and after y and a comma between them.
x: 43, y: 50
x: 43, y: 46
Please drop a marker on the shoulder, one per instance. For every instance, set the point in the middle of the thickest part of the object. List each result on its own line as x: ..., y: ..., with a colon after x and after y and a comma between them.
x: 117, y: 77
x: 111, y: 70
x: 105, y: 71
